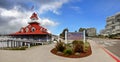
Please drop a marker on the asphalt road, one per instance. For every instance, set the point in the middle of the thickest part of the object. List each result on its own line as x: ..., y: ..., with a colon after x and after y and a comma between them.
x: 112, y: 45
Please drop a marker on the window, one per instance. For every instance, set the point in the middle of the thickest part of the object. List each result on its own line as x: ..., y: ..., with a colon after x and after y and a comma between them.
x: 27, y: 29
x: 41, y: 29
x: 117, y: 27
x: 21, y: 30
x: 33, y: 29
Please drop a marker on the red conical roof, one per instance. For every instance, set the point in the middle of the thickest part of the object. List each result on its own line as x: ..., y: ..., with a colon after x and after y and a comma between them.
x: 34, y: 16
x: 33, y: 28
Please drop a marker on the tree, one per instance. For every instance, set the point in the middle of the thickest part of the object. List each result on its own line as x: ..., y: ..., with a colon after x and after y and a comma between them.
x: 62, y: 35
x: 75, y: 30
x: 82, y: 29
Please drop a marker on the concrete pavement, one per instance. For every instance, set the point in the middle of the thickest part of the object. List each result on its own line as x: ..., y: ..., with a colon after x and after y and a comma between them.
x: 113, y: 45
x: 43, y: 54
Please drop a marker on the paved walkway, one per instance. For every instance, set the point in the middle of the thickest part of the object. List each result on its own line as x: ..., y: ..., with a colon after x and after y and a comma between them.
x: 42, y: 54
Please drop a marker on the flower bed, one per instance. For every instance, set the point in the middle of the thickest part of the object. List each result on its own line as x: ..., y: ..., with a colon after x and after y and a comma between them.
x: 76, y: 49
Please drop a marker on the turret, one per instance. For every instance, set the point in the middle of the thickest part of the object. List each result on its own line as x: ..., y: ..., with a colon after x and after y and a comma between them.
x: 34, y: 16
x: 34, y: 19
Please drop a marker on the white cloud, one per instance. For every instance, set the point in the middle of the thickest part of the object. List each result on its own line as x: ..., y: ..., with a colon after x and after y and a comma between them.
x: 11, y: 13
x: 52, y: 6
x: 17, y: 16
x: 13, y: 20
x: 48, y: 23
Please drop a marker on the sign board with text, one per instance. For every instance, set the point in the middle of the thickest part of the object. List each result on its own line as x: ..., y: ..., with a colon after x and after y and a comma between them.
x: 75, y: 35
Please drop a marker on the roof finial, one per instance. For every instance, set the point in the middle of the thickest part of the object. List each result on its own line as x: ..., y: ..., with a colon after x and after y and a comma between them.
x: 34, y: 16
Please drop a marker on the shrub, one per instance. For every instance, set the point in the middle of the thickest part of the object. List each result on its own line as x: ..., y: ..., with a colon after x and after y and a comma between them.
x: 78, y: 48
x: 69, y: 45
x: 60, y: 46
x: 86, y: 46
x: 68, y: 51
x: 77, y: 42
x: 81, y: 42
x: 17, y: 48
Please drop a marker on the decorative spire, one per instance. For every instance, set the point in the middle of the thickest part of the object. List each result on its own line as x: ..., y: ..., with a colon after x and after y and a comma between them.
x: 34, y: 16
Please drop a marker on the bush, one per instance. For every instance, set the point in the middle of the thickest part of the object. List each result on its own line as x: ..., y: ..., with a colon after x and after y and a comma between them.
x: 16, y: 48
x: 69, y: 45
x: 77, y: 42
x: 86, y: 46
x: 78, y: 48
x: 68, y: 51
x: 60, y: 46
x: 75, y: 47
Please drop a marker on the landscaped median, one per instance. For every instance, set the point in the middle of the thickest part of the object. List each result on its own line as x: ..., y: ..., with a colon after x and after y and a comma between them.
x: 15, y: 48
x: 76, y: 49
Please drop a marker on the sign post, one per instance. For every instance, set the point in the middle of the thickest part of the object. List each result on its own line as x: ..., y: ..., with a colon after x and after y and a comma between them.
x: 58, y: 38
x: 66, y: 37
x: 84, y: 36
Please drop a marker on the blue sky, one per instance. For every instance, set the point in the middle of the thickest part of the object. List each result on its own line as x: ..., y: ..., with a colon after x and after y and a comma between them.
x: 84, y: 13
x: 71, y: 14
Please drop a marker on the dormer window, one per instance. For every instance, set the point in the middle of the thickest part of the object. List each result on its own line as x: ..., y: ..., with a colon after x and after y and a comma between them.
x: 45, y: 30
x: 21, y: 30
x: 33, y: 29
x: 33, y: 18
x: 41, y: 29
x: 27, y: 29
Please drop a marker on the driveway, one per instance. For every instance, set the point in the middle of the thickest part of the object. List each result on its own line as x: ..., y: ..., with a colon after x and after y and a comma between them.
x: 42, y: 54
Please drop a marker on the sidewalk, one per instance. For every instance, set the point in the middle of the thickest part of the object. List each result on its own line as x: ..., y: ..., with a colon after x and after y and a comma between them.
x: 99, y: 54
x: 42, y: 54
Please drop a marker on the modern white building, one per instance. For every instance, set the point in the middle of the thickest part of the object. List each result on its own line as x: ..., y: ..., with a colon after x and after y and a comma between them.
x: 112, y: 25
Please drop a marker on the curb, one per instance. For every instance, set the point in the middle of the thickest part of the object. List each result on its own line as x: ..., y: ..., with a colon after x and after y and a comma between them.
x: 112, y: 55
x: 109, y: 53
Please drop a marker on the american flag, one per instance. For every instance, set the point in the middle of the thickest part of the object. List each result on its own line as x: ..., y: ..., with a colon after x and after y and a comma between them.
x: 32, y: 7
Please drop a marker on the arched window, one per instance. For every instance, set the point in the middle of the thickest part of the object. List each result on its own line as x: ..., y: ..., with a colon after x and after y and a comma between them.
x: 27, y: 29
x: 41, y: 29
x: 21, y: 30
x: 33, y: 29
x: 45, y: 30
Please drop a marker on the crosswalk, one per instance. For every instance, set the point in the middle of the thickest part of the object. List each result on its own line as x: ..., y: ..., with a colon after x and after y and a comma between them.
x: 105, y: 42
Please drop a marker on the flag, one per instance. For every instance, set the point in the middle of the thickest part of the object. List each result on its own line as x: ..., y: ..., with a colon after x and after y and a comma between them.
x: 32, y: 7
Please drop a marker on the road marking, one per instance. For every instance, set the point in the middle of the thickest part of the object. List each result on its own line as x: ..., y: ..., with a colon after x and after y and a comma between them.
x: 109, y: 53
x: 108, y: 44
x: 112, y: 55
